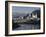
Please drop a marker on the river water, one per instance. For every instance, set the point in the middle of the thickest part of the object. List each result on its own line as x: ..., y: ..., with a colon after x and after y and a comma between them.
x: 27, y: 27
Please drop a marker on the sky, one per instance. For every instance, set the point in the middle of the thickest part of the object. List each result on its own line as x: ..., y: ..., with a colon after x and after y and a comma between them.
x: 22, y: 11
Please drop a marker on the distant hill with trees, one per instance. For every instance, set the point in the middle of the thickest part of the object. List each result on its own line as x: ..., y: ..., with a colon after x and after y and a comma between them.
x: 36, y: 12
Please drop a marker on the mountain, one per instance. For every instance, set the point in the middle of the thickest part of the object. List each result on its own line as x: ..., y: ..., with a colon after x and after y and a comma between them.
x: 36, y: 12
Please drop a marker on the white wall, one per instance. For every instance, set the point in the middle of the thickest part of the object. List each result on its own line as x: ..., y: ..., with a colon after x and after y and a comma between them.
x: 2, y: 17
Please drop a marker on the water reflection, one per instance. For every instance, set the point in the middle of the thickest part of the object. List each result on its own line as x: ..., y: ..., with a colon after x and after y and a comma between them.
x: 26, y: 26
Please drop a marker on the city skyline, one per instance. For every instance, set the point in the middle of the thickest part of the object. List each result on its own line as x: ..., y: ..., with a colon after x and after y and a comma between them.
x: 23, y: 11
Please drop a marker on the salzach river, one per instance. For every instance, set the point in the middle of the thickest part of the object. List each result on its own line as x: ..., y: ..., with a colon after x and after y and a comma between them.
x: 26, y: 27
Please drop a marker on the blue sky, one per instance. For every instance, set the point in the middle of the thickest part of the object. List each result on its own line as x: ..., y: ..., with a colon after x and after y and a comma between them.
x: 22, y: 11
